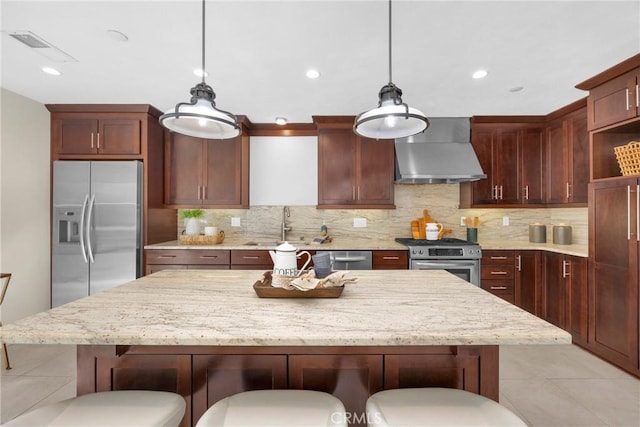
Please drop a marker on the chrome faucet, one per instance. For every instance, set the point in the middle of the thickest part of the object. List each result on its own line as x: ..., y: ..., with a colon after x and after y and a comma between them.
x: 283, y: 226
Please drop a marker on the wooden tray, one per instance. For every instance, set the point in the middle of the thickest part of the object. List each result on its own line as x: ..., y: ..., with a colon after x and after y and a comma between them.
x: 264, y: 289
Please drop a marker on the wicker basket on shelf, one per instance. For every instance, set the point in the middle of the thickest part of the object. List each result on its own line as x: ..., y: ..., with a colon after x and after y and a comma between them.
x: 628, y: 157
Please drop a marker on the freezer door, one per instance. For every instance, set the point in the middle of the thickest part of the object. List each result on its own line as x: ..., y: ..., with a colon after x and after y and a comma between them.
x: 114, y: 227
x: 70, y: 270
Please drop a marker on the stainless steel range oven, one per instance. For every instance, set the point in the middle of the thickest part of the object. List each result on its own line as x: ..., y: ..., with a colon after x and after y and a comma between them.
x: 456, y: 256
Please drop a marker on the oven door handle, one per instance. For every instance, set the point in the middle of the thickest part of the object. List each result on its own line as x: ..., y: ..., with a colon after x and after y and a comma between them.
x: 443, y: 265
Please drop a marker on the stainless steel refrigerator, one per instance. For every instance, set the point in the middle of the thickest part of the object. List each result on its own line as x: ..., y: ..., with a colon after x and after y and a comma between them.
x: 97, y: 227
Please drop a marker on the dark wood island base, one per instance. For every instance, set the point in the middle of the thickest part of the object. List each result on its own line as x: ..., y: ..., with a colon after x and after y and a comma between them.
x: 206, y: 374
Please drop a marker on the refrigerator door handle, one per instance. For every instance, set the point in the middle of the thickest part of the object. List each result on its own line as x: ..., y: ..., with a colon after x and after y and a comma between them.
x: 82, y: 246
x: 89, y: 215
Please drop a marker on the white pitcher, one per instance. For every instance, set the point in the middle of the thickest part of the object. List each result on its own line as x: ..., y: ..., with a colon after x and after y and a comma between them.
x: 285, y: 262
x: 433, y: 229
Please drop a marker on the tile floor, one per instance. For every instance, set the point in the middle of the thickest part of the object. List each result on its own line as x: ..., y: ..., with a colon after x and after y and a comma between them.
x: 558, y: 385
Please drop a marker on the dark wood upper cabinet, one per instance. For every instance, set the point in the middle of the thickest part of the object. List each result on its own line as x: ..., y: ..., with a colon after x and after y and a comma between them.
x: 353, y: 171
x: 206, y: 173
x: 567, y: 157
x: 511, y: 153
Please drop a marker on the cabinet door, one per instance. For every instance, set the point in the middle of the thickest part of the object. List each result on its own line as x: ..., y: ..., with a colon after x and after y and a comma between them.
x: 218, y: 376
x: 528, y: 281
x: 613, y: 271
x: 613, y: 102
x: 351, y: 378
x: 531, y: 166
x: 119, y: 136
x: 336, y: 167
x: 554, y: 292
x: 482, y: 142
x: 557, y: 159
x: 579, y: 152
x: 223, y: 174
x: 77, y: 136
x: 506, y: 155
x: 376, y: 170
x: 576, y: 272
x: 183, y: 170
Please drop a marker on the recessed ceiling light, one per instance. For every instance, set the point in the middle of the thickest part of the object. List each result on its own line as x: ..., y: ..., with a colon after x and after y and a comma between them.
x: 313, y: 74
x: 51, y: 71
x: 117, y: 35
x: 281, y: 121
x: 479, y: 74
x: 198, y: 72
x: 516, y: 89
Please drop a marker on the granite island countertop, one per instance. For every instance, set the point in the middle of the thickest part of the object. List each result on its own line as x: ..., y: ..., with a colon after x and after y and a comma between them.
x: 220, y: 307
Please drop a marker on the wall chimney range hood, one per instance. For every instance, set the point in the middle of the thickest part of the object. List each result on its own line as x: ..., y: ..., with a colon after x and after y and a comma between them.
x: 441, y: 155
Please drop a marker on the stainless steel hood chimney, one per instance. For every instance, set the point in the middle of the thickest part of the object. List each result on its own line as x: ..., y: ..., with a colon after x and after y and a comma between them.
x: 442, y: 154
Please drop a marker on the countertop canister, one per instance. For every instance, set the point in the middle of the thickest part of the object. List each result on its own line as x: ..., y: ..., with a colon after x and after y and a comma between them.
x: 537, y: 233
x: 562, y: 234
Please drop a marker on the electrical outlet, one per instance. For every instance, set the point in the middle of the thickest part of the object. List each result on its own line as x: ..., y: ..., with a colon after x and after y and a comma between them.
x: 235, y: 221
x: 462, y: 221
x: 359, y: 222
x: 505, y: 221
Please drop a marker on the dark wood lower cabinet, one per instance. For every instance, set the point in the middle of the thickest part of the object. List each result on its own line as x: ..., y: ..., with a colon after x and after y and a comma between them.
x: 207, y: 374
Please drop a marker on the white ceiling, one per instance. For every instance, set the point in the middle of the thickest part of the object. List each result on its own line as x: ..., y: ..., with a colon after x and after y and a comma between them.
x: 258, y: 51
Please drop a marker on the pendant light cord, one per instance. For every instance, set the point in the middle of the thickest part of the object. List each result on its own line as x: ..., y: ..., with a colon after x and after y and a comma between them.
x: 203, y: 38
x: 390, y: 80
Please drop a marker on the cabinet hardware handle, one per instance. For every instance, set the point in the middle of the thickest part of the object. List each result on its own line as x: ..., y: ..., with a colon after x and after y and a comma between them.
x: 627, y: 99
x: 568, y: 192
x: 501, y: 192
x: 565, y: 272
x: 204, y: 192
x: 250, y: 257
x: 519, y: 265
x: 98, y: 134
x: 391, y: 257
x: 199, y: 198
x: 497, y: 257
x: 166, y: 256
x: 208, y: 256
x: 498, y: 273
x: 92, y: 140
x: 494, y: 192
x: 358, y: 193
x: 353, y: 192
x: 526, y: 192
x: 628, y: 212
x: 498, y: 288
x: 637, y: 95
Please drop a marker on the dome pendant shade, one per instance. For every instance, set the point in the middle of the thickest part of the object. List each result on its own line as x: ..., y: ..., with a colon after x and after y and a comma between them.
x: 200, y: 118
x: 392, y: 118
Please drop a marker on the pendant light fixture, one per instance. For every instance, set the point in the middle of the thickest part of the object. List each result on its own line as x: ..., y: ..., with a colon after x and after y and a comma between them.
x: 200, y: 118
x: 392, y: 118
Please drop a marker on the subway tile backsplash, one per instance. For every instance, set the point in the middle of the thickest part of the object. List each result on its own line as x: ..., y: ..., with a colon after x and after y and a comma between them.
x: 441, y: 200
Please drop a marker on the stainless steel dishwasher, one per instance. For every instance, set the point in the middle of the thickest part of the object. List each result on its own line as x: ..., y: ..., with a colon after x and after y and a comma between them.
x: 350, y: 260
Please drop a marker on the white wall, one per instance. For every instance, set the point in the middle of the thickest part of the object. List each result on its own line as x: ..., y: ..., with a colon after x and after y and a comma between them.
x: 24, y: 205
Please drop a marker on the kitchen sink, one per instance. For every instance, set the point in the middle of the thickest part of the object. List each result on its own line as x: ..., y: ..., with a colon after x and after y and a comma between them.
x: 274, y: 243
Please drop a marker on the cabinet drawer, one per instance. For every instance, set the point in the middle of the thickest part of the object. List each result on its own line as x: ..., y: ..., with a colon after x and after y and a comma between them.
x: 188, y: 256
x: 385, y: 260
x: 497, y: 272
x: 492, y: 257
x: 501, y: 288
x: 251, y: 257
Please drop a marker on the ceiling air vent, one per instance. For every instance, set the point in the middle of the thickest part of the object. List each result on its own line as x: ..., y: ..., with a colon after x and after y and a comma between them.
x: 42, y: 46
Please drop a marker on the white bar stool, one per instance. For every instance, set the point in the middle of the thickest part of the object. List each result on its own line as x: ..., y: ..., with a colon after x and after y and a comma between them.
x: 107, y: 409
x: 276, y: 408
x: 432, y: 406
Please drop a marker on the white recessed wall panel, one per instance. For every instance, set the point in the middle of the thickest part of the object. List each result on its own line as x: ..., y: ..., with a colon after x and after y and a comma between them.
x: 283, y: 170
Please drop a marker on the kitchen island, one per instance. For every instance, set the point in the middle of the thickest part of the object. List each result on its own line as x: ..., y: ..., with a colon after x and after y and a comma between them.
x: 205, y: 334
